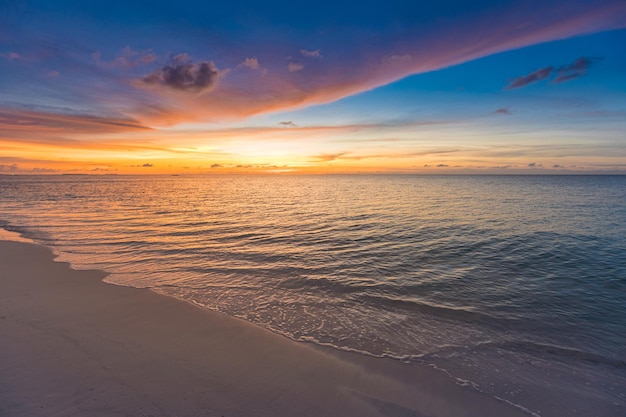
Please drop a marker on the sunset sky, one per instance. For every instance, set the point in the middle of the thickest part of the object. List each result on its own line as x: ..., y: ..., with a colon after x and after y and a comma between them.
x: 318, y: 87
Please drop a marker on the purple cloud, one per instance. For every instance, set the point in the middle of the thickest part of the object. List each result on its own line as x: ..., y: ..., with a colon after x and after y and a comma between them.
x: 533, y: 77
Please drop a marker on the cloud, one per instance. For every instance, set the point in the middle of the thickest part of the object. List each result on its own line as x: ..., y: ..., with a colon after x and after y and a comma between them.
x: 12, y: 56
x: 503, y: 110
x: 288, y: 123
x: 442, y: 166
x: 251, y: 63
x: 147, y: 165
x: 127, y: 58
x: 535, y: 165
x: 311, y: 53
x: 557, y: 166
x: 181, y: 74
x: 217, y: 166
x: 295, y: 67
x: 8, y: 168
x: 34, y: 122
x: 576, y: 69
x: 533, y: 77
x: 327, y: 157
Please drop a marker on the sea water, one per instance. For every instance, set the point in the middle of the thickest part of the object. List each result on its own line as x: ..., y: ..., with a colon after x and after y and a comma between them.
x: 513, y: 285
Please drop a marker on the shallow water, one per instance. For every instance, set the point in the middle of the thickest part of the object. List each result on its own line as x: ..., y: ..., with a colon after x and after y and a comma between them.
x: 514, y: 285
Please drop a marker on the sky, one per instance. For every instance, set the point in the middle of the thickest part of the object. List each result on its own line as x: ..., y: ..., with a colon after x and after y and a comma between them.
x: 429, y: 87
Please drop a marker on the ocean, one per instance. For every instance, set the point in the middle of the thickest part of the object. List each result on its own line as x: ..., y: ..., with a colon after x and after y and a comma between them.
x: 514, y: 286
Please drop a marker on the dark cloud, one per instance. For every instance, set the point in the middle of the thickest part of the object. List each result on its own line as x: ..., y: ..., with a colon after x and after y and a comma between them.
x: 181, y: 74
x: 217, y: 166
x: 147, y: 165
x: 503, y: 110
x: 288, y: 123
x: 557, y: 166
x: 442, y: 166
x: 535, y: 165
x: 576, y: 69
x: 534, y: 76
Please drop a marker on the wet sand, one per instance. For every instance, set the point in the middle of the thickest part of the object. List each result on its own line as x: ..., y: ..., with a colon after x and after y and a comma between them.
x: 72, y: 345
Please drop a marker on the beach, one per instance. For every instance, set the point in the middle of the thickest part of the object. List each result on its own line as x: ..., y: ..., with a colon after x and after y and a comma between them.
x: 73, y: 345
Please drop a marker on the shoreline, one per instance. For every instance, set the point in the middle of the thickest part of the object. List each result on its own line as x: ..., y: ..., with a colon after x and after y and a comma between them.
x: 73, y: 345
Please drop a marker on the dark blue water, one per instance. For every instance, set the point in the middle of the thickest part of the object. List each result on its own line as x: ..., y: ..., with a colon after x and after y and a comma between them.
x: 514, y: 285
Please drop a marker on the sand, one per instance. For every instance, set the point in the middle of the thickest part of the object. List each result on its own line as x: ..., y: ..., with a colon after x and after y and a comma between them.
x: 71, y: 345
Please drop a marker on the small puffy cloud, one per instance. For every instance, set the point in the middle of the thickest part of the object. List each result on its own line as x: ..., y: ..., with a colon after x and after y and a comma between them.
x: 251, y: 63
x: 217, y: 166
x: 534, y: 165
x: 295, y: 67
x: 53, y: 74
x: 576, y: 69
x: 147, y: 165
x: 557, y: 166
x: 288, y: 123
x: 182, y: 74
x: 311, y: 53
x: 442, y: 166
x: 503, y: 110
x: 533, y: 77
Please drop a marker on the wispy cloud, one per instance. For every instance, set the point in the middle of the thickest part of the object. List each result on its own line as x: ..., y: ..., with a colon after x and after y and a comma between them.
x: 533, y: 77
x: 311, y: 53
x: 14, y: 120
x: 288, y: 123
x: 503, y: 110
x: 576, y: 69
x: 11, y: 56
x: 327, y: 157
x: 252, y: 63
x: 295, y: 66
x: 127, y: 58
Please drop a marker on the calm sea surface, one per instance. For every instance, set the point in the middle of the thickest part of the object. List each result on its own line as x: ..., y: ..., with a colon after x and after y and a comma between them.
x: 513, y: 285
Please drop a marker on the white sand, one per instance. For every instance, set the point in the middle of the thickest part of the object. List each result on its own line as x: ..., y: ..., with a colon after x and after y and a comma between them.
x: 71, y: 345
